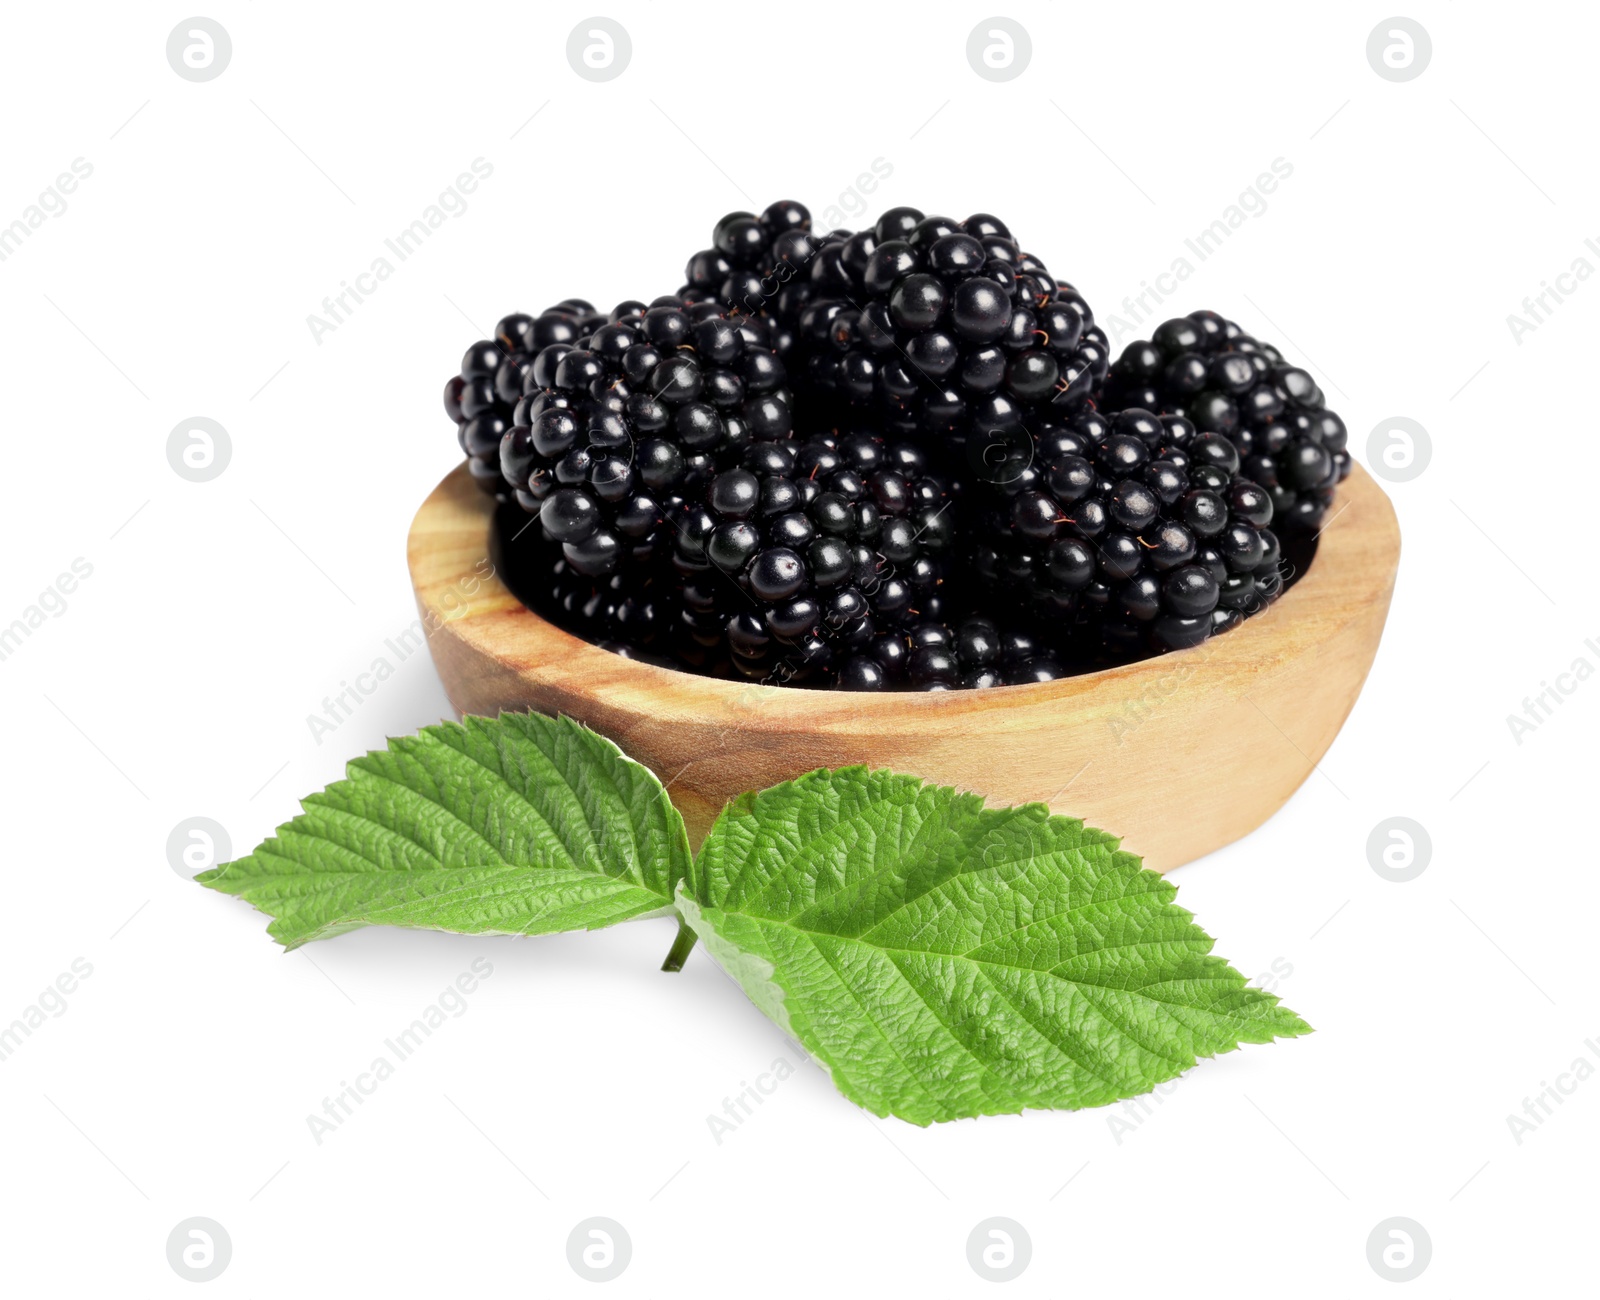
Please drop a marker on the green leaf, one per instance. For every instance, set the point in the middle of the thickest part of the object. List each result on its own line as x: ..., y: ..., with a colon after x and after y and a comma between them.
x: 522, y: 824
x: 942, y: 959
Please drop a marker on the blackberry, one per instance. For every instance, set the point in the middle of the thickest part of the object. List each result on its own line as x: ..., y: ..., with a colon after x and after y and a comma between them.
x: 619, y: 428
x: 941, y: 330
x: 814, y: 548
x: 481, y: 398
x: 932, y: 656
x: 754, y: 264
x: 636, y: 608
x: 1123, y: 533
x: 1206, y: 368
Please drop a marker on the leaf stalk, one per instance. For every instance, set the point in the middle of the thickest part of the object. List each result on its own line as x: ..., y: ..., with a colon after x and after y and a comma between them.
x: 681, y: 947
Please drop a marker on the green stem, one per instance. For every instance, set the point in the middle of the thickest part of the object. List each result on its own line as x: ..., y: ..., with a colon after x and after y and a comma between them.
x: 681, y: 947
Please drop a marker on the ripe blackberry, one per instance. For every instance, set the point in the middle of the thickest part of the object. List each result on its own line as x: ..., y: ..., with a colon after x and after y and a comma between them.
x: 619, y: 428
x: 808, y: 550
x: 753, y: 263
x: 1206, y: 368
x: 1123, y: 534
x: 974, y: 654
x: 634, y: 611
x: 481, y: 398
x: 940, y: 330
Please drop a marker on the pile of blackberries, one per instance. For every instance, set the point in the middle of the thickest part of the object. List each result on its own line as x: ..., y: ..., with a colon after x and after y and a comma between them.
x: 888, y: 458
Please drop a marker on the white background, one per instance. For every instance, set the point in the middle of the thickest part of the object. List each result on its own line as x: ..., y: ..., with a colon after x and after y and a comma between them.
x: 178, y: 679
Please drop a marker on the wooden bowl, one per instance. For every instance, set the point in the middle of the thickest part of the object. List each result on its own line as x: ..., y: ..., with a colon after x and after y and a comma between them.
x: 1178, y: 755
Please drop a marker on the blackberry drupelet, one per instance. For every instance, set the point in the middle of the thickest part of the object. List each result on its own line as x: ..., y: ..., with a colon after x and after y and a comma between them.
x: 1206, y: 368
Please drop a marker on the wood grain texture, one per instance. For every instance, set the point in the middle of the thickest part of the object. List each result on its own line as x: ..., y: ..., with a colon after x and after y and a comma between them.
x: 1178, y: 755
